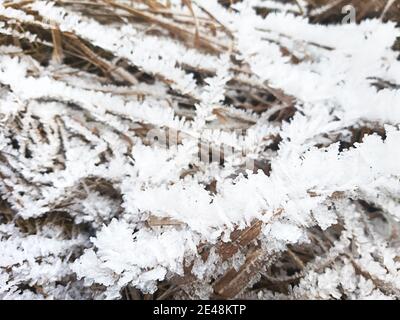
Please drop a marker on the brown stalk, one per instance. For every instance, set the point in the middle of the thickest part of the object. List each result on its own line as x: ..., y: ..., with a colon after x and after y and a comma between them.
x: 233, y: 282
x: 155, y: 221
x: 239, y: 239
x: 16, y: 4
x: 188, y: 3
x: 230, y: 34
x: 174, y: 29
x: 103, y: 64
x: 57, y: 45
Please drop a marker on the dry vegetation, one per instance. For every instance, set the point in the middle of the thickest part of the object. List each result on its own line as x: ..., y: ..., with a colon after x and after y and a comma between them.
x: 69, y: 57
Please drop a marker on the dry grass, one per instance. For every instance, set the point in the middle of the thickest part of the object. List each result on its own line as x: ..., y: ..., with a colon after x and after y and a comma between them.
x: 383, y: 9
x: 74, y: 51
